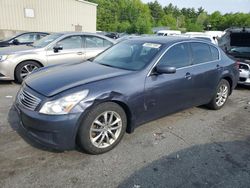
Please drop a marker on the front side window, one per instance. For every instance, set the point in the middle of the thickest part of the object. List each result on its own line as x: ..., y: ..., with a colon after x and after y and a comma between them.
x: 46, y: 40
x: 201, y: 53
x: 72, y: 42
x: 26, y: 38
x: 96, y: 42
x: 177, y: 56
x: 129, y: 55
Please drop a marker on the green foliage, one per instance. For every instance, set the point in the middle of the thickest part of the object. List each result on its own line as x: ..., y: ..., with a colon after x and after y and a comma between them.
x: 133, y: 16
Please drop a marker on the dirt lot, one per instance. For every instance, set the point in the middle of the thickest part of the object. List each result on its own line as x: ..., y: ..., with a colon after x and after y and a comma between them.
x: 194, y: 148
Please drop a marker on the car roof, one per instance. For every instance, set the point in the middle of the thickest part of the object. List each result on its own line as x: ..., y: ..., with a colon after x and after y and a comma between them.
x: 84, y: 33
x: 169, y: 40
x: 163, y: 39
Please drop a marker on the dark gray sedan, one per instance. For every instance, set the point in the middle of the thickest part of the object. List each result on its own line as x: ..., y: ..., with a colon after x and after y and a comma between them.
x: 94, y: 103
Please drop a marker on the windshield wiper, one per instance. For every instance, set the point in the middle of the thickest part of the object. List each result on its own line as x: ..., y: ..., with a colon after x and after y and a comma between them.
x: 30, y: 45
x: 107, y: 65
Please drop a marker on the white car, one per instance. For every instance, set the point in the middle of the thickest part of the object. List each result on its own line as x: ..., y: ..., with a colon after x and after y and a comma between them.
x: 202, y: 36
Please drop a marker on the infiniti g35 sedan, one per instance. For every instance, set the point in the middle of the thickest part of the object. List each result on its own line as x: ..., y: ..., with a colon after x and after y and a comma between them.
x: 92, y: 104
x: 18, y: 61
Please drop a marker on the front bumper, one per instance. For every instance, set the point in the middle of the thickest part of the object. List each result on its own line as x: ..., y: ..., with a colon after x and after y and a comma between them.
x: 7, y: 70
x: 244, y: 75
x: 56, y: 132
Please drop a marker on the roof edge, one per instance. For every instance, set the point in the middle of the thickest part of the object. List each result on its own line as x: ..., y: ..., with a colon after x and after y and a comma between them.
x: 86, y: 2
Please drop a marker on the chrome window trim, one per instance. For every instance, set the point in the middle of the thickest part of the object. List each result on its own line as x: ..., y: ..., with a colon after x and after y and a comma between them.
x: 157, y: 61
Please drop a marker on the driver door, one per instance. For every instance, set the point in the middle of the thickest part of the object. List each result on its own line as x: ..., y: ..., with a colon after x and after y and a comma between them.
x: 168, y: 93
x: 71, y: 51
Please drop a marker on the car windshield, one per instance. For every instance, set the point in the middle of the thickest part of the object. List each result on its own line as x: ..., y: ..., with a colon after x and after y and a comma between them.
x: 129, y: 55
x: 239, y: 50
x: 46, y: 40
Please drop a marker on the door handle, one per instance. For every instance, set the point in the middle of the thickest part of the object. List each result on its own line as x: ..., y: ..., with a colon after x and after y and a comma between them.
x: 188, y: 76
x: 218, y: 67
x: 79, y: 53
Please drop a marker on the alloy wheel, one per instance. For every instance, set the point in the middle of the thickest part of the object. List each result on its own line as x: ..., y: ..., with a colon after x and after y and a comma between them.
x: 105, y: 129
x: 27, y: 69
x: 222, y: 95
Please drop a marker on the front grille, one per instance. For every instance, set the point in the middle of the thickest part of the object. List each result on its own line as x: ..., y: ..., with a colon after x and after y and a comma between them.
x: 28, y: 100
x: 242, y: 66
x: 243, y: 79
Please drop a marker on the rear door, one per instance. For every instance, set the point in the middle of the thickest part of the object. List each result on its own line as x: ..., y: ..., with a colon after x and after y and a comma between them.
x: 167, y: 93
x: 72, y: 51
x: 206, y: 70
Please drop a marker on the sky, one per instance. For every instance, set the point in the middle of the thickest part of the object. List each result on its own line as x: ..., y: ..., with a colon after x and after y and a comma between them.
x: 224, y: 6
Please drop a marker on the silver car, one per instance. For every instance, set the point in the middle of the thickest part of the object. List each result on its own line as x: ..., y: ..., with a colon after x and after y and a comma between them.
x: 19, y: 61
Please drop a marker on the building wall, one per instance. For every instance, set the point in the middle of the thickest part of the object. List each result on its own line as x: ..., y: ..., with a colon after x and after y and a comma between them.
x: 49, y: 15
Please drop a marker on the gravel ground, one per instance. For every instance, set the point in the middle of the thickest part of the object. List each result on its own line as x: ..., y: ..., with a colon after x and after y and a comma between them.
x: 193, y: 148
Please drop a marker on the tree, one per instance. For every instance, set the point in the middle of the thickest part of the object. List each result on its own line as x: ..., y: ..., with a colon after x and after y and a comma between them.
x: 157, y: 12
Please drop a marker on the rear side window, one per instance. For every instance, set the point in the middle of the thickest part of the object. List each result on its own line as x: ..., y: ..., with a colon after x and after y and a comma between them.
x: 177, y: 56
x: 215, y: 53
x: 96, y: 42
x: 201, y: 53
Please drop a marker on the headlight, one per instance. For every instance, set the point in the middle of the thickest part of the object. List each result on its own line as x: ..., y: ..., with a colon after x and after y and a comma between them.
x: 3, y: 57
x: 64, y: 104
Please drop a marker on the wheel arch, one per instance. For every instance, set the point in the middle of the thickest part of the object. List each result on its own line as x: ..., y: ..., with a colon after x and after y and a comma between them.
x: 230, y: 81
x: 26, y: 61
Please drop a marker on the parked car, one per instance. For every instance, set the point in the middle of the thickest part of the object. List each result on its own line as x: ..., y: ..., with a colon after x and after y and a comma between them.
x: 23, y: 39
x: 236, y: 44
x: 202, y: 36
x: 131, y: 83
x: 168, y: 32
x: 112, y: 35
x: 58, y: 48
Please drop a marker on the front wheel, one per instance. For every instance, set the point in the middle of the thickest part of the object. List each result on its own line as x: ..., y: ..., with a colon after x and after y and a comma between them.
x: 221, y: 96
x: 24, y: 69
x: 102, y: 128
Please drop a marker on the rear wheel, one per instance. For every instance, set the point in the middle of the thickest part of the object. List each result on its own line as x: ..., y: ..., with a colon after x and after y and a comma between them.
x: 24, y: 69
x: 221, y: 96
x: 102, y: 128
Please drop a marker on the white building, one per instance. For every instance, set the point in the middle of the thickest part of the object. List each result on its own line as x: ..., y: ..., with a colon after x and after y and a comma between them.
x: 47, y: 16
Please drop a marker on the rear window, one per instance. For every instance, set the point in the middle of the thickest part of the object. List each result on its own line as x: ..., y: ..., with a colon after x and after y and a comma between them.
x: 215, y: 53
x: 240, y: 39
x: 201, y: 53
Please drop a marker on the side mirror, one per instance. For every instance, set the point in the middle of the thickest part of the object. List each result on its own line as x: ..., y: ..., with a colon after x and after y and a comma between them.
x: 57, y: 48
x: 15, y: 42
x: 163, y: 69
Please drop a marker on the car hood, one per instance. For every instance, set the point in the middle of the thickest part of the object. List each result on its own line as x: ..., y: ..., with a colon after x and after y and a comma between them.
x: 51, y: 81
x: 16, y: 49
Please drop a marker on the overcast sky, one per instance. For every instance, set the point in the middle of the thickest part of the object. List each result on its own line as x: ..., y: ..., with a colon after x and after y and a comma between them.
x: 224, y: 6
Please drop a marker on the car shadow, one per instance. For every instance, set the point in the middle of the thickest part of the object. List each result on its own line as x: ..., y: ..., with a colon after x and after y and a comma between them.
x: 218, y: 164
x: 14, y: 122
x: 242, y: 87
x: 6, y: 82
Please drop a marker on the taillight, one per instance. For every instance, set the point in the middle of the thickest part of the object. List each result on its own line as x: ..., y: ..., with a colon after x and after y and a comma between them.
x: 237, y: 64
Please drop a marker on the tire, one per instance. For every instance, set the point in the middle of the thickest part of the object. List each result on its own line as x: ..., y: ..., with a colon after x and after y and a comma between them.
x: 95, y: 138
x: 222, y: 93
x: 24, y: 69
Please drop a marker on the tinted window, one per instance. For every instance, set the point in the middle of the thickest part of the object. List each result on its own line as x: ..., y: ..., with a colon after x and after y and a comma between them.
x: 129, y: 55
x: 201, y: 52
x: 72, y: 42
x: 177, y: 56
x: 46, y: 40
x: 26, y: 38
x: 215, y: 53
x: 96, y: 42
x: 39, y: 36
